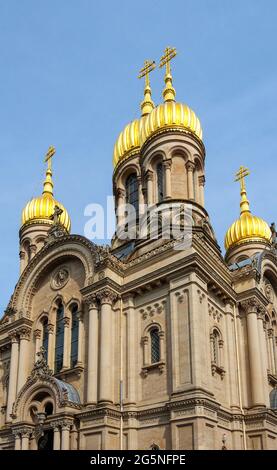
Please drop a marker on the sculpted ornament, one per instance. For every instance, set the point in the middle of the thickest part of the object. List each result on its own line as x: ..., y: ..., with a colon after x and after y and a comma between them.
x: 60, y: 278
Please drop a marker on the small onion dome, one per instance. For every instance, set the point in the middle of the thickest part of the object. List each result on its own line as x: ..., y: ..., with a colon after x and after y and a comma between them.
x: 248, y: 227
x: 41, y: 208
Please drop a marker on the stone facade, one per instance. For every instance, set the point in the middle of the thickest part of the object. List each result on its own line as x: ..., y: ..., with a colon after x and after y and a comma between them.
x: 175, y: 348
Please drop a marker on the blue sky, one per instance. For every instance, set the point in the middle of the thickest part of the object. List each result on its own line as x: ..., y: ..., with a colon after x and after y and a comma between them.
x: 69, y: 78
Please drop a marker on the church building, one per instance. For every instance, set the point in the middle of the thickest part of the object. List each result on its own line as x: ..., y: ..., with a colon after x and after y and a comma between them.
x: 157, y: 341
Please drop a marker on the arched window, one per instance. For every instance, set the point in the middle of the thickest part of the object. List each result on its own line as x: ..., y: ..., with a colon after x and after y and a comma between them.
x: 160, y: 182
x: 215, y: 347
x: 155, y: 346
x: 45, y: 336
x: 74, y: 335
x: 132, y: 191
x: 59, y: 338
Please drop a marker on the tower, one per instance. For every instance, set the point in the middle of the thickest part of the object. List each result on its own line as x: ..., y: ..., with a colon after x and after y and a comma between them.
x: 159, y: 161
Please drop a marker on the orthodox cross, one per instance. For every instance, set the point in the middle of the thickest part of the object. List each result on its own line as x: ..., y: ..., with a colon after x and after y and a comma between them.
x: 48, y: 158
x: 56, y: 215
x: 240, y: 175
x: 169, y: 54
x: 144, y: 72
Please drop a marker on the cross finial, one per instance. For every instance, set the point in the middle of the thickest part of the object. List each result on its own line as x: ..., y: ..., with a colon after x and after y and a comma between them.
x: 168, y: 92
x: 48, y: 158
x: 240, y: 176
x: 48, y: 183
x: 146, y: 69
x: 147, y: 104
x: 169, y: 54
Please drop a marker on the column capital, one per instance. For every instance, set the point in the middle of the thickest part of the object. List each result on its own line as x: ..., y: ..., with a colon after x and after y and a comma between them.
x: 50, y: 328
x: 149, y: 175
x: 22, y: 254
x: 24, y: 333
x: 202, y: 180
x: 33, y: 249
x: 270, y: 332
x: 91, y: 301
x: 23, y: 431
x: 120, y: 192
x: 190, y: 165
x: 106, y: 296
x: 66, y: 321
x: 66, y: 424
x: 13, y: 336
x: 37, y: 334
x: 167, y: 164
x: 251, y: 305
x: 56, y: 425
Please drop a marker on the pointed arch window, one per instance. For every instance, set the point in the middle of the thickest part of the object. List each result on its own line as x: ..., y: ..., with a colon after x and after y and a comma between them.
x: 59, y: 337
x: 155, y: 346
x: 215, y: 347
x: 132, y: 191
x: 45, y: 336
x: 74, y: 335
x: 160, y: 182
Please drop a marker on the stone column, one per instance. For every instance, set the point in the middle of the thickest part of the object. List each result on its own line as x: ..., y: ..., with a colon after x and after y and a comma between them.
x: 23, y: 362
x: 120, y: 206
x: 162, y: 348
x: 25, y: 439
x: 263, y: 355
x: 149, y: 180
x: 66, y: 343
x: 167, y: 179
x: 201, y: 180
x: 66, y: 425
x: 92, y: 373
x: 22, y: 257
x: 17, y: 440
x: 232, y: 374
x: 140, y: 196
x: 251, y: 308
x: 51, y: 346
x: 57, y: 436
x: 131, y: 341
x: 33, y: 250
x: 146, y: 359
x: 81, y: 339
x: 190, y: 168
x: 106, y: 297
x: 37, y: 336
x: 12, y: 374
x: 271, y: 350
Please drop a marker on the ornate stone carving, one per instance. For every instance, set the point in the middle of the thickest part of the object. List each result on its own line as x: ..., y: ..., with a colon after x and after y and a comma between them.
x: 37, y: 334
x: 251, y: 305
x: 106, y: 296
x: 60, y: 278
x: 24, y: 333
x: 269, y: 292
x: 201, y: 180
x: 66, y: 321
x: 91, y: 301
x: 13, y: 336
x: 41, y: 369
x: 50, y: 328
x: 190, y: 166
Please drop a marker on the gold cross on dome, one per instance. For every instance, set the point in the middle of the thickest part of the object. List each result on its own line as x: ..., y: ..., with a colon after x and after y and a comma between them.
x: 169, y: 54
x: 48, y: 158
x: 240, y: 176
x: 144, y: 72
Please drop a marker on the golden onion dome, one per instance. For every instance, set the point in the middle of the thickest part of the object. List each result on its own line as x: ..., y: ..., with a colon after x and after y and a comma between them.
x: 40, y: 209
x: 248, y: 227
x: 170, y: 115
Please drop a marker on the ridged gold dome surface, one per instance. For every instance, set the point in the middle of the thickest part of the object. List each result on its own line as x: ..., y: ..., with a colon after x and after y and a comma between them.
x: 168, y: 115
x: 247, y: 227
x: 128, y: 140
x: 39, y: 209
